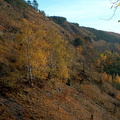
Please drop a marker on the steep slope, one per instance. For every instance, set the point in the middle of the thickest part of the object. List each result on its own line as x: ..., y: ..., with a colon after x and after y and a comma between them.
x: 44, y: 75
x: 57, y: 101
x: 102, y: 40
x: 75, y: 29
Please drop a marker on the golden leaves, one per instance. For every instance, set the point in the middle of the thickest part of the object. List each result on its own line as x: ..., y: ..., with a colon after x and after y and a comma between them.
x: 38, y: 50
x: 103, y: 56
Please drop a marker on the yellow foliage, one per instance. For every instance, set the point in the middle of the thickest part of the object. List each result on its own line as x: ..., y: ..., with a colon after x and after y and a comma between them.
x: 61, y: 69
x: 58, y: 55
x: 42, y: 51
x: 32, y: 48
x: 98, y: 62
x: 117, y: 79
x: 104, y: 77
x: 36, y: 52
x: 103, y: 56
x: 118, y: 96
x: 79, y: 49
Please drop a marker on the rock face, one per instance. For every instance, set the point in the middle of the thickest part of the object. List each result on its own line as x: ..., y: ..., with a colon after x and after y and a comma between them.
x: 82, y: 96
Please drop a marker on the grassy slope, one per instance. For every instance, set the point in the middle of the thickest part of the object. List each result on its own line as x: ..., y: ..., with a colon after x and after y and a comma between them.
x: 55, y: 100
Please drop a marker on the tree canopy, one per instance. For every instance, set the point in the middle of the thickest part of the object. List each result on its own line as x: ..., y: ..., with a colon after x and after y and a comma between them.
x: 35, y: 4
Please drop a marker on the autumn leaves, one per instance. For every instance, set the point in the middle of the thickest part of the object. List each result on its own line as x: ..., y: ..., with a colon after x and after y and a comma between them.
x: 41, y: 53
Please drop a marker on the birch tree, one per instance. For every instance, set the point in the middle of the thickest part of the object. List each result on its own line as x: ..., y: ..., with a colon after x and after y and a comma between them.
x: 32, y: 55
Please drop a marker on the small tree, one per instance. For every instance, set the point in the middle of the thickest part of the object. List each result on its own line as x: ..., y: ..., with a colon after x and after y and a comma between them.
x: 78, y: 42
x: 35, y: 4
x: 118, y: 78
x: 29, y: 2
x: 31, y: 51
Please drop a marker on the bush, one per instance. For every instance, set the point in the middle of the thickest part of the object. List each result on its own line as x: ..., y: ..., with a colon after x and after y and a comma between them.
x: 116, y: 85
x: 77, y: 42
x: 58, y: 20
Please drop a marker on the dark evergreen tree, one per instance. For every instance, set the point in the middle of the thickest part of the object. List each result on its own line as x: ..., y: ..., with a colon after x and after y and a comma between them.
x: 35, y: 4
x: 77, y: 42
x: 29, y: 2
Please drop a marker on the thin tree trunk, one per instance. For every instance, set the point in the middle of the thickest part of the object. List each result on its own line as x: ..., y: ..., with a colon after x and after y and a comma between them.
x: 91, y: 117
x: 29, y: 69
x: 30, y: 74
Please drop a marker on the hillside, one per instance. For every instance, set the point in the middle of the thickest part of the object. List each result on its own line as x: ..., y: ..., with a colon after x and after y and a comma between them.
x: 107, y: 36
x: 101, y: 40
x: 55, y: 70
x: 97, y: 35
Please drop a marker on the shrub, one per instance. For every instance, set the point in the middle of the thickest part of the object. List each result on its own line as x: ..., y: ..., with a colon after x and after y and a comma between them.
x: 77, y: 42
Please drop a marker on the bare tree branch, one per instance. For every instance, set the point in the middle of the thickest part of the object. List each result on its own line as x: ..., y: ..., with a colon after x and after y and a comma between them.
x: 115, y: 5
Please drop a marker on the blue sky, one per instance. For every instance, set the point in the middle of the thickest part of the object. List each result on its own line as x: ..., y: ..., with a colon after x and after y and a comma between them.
x: 89, y: 13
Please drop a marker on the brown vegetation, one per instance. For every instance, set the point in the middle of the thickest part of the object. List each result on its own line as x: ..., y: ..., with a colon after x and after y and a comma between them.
x: 52, y: 72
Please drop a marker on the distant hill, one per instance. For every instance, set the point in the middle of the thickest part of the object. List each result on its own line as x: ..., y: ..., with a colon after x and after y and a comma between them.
x: 86, y: 31
x: 104, y: 35
x: 73, y: 28
x: 102, y: 40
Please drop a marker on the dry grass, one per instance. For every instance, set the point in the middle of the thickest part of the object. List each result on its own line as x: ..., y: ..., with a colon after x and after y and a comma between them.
x: 58, y: 101
x: 55, y: 100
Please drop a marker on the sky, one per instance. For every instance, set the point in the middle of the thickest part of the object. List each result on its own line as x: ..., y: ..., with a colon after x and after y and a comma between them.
x: 88, y: 13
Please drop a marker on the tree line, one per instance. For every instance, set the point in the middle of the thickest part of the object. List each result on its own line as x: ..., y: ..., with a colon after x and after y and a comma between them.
x: 34, y: 4
x: 21, y: 3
